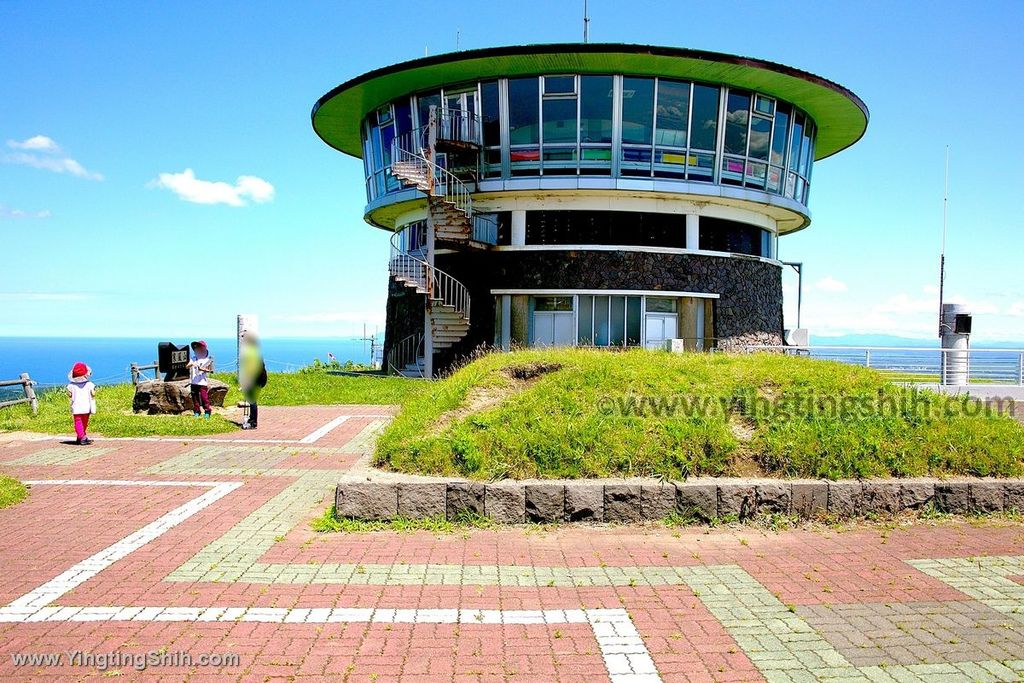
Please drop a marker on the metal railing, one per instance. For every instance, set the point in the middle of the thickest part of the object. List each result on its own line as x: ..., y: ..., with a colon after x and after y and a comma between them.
x: 923, y: 365
x: 435, y: 283
x: 456, y: 125
x: 406, y: 352
x: 27, y: 385
x: 136, y: 371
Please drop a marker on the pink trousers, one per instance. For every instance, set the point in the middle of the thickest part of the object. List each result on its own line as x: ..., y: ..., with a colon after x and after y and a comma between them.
x: 81, y: 424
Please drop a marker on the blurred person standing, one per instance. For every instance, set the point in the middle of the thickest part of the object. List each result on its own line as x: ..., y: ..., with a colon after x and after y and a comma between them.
x: 252, y: 376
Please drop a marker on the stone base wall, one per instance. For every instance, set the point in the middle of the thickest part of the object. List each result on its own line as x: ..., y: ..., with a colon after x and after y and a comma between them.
x: 515, y: 502
x: 747, y: 312
x: 404, y: 315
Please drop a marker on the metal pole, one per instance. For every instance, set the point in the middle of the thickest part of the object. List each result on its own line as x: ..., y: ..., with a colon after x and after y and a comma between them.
x: 586, y: 22
x: 30, y: 392
x: 942, y: 254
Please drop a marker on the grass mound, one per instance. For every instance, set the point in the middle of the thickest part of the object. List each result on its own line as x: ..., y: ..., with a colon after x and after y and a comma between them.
x: 11, y: 491
x: 572, y: 413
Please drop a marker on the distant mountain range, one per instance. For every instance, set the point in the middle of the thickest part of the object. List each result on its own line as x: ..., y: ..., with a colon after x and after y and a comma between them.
x: 891, y: 340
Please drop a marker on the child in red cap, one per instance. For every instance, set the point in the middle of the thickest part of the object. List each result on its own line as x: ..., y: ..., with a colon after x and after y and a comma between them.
x: 199, y: 371
x: 82, y: 393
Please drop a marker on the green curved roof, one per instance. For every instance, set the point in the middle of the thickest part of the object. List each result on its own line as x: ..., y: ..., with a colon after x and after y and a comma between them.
x: 841, y: 116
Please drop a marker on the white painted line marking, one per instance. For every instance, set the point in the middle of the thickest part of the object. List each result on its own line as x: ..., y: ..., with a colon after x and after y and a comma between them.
x: 326, y: 429
x: 91, y: 566
x: 625, y: 656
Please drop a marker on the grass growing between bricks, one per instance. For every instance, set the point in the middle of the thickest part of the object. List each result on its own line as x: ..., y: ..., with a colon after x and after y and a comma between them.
x: 329, y: 522
x: 575, y: 413
x: 11, y: 491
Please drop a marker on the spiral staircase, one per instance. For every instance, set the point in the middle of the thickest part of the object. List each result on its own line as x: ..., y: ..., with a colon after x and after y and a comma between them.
x: 451, y: 218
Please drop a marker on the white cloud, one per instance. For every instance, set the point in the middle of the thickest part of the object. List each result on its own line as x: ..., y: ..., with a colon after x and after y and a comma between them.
x: 44, y: 296
x: 1016, y: 309
x: 37, y: 143
x: 904, y: 304
x: 830, y: 284
x: 50, y: 157
x: 8, y: 213
x: 974, y: 306
x: 192, y: 189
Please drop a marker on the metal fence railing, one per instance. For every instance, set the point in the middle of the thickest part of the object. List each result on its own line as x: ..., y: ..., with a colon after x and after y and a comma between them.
x: 28, y: 388
x: 406, y: 353
x: 923, y: 365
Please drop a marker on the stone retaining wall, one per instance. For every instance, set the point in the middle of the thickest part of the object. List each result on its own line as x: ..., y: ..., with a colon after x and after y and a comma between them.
x: 512, y: 502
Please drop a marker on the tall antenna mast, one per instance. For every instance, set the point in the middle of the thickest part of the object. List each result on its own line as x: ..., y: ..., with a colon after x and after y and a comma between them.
x: 457, y: 38
x: 942, y: 255
x: 586, y: 23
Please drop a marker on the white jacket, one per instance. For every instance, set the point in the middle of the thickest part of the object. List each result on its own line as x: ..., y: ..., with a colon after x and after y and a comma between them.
x: 83, y: 400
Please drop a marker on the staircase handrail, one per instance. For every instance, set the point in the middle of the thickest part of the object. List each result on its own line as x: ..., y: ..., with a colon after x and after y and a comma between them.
x: 405, y: 352
x: 457, y: 125
x: 439, y: 285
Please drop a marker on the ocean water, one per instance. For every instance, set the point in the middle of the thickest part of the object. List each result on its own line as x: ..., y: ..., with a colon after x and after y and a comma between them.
x: 48, y: 360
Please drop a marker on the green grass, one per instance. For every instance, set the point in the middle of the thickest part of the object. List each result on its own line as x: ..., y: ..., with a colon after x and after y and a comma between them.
x: 114, y: 403
x: 114, y: 417
x: 321, y: 388
x: 11, y: 491
x: 626, y: 414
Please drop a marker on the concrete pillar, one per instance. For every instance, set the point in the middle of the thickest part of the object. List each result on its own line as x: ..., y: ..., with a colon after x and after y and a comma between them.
x: 518, y: 228
x: 692, y: 231
x: 506, y: 322
x: 428, y: 328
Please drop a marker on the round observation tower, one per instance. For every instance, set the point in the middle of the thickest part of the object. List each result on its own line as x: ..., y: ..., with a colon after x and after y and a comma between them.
x: 585, y: 194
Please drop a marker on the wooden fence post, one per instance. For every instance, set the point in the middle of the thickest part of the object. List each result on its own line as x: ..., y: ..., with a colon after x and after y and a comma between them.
x: 30, y: 392
x: 135, y: 374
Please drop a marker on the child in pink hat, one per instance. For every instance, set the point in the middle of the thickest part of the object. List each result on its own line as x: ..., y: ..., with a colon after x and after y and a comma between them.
x: 82, y: 393
x: 199, y: 370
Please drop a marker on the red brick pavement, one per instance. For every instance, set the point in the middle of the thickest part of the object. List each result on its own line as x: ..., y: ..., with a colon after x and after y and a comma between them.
x: 60, y: 525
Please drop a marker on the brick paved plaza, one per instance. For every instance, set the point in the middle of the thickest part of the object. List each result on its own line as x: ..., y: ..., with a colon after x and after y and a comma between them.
x: 204, y: 547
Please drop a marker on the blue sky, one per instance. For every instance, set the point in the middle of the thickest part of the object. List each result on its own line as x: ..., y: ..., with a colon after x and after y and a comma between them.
x: 107, y: 106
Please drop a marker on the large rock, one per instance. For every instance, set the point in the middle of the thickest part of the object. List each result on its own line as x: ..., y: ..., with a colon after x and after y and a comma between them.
x: 157, y: 397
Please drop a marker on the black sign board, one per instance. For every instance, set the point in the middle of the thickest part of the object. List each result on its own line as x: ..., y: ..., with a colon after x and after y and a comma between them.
x: 173, y: 361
